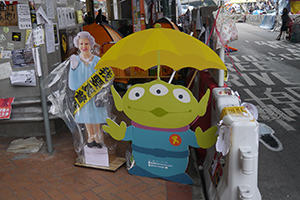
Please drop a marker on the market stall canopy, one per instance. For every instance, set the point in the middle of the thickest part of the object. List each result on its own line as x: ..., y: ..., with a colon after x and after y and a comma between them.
x: 103, y: 34
x: 160, y: 46
x: 166, y: 23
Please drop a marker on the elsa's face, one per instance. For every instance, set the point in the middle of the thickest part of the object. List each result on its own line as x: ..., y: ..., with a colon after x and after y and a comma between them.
x: 84, y: 45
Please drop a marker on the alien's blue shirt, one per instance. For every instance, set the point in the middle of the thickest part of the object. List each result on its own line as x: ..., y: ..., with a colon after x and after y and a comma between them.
x: 163, y: 152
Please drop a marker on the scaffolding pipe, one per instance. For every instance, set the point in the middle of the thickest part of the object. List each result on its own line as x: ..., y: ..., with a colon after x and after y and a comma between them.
x: 41, y: 78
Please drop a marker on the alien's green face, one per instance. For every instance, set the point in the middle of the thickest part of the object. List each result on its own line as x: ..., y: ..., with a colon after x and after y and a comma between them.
x: 161, y: 105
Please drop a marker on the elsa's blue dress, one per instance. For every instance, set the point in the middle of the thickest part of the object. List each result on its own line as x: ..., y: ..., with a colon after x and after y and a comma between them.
x: 89, y: 113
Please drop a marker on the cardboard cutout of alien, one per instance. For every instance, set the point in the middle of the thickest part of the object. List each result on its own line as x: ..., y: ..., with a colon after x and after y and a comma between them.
x: 160, y: 134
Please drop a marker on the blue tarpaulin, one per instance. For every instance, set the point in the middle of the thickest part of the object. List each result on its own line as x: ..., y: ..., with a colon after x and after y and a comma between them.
x: 268, y: 21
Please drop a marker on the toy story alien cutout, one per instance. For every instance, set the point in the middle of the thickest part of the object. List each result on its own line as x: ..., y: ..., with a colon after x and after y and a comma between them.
x: 160, y: 134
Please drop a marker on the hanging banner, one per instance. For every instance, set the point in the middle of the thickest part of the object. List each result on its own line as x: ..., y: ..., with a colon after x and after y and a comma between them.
x: 32, y: 12
x: 138, y: 15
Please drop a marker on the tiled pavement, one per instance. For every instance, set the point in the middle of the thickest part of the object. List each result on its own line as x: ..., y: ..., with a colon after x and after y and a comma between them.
x: 54, y: 176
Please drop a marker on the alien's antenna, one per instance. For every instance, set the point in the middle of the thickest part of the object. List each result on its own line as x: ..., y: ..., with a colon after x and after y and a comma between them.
x: 158, y: 64
x: 172, y: 76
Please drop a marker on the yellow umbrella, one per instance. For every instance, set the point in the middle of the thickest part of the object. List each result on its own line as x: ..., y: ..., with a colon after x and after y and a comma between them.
x: 160, y: 46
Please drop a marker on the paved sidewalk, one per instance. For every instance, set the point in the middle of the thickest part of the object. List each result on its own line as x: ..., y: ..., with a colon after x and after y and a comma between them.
x: 54, y: 176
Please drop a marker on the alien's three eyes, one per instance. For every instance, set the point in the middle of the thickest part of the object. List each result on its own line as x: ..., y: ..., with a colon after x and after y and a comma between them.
x: 160, y: 90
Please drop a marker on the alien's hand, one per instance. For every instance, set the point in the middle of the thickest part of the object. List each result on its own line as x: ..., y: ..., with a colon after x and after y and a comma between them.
x: 116, y: 131
x: 206, y: 139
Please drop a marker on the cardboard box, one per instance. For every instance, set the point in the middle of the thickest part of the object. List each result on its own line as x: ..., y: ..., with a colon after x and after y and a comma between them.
x: 101, y: 156
x: 96, y: 156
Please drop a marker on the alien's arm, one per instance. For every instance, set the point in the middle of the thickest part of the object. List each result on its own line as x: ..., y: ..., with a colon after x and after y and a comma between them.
x: 128, y: 134
x: 206, y: 139
x: 116, y: 131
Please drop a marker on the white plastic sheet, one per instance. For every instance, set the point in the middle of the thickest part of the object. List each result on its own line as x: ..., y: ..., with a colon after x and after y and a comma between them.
x: 226, y: 28
x: 29, y: 145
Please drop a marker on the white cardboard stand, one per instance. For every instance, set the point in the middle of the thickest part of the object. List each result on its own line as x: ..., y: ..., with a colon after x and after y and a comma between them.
x: 96, y: 156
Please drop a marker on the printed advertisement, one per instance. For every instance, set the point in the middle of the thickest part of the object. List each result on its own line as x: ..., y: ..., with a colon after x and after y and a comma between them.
x: 5, y: 107
x: 24, y: 17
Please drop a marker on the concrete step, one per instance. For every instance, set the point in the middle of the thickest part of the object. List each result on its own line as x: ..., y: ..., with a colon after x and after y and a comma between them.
x: 27, y: 119
x: 26, y: 100
x: 27, y: 109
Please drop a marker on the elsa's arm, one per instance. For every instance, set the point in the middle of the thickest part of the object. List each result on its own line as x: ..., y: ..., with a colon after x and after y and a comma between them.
x: 73, y: 74
x: 74, y: 62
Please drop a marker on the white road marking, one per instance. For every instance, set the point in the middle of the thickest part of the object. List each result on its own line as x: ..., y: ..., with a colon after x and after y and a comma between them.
x: 257, y: 66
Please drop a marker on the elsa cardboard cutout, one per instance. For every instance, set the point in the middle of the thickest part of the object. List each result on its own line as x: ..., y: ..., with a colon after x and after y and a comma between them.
x: 84, y: 100
x: 82, y: 67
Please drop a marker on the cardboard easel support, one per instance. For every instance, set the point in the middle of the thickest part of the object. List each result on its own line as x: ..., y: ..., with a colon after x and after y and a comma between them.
x: 113, y: 166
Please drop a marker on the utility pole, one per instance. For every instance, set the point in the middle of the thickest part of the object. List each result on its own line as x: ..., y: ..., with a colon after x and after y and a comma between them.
x: 41, y: 78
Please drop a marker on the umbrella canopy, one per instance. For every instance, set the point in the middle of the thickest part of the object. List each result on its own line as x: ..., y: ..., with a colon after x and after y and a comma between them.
x: 166, y: 23
x: 103, y: 34
x: 160, y: 46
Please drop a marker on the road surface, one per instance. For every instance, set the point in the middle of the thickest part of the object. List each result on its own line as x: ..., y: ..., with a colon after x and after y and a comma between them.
x: 270, y: 80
